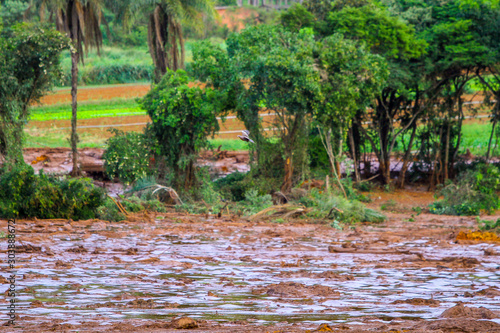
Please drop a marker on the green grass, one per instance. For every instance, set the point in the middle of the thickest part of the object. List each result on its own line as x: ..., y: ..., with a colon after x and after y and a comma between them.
x: 476, y: 137
x: 88, y: 110
x: 229, y: 144
x: 48, y: 138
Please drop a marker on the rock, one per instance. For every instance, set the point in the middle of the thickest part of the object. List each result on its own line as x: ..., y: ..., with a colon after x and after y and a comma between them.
x: 184, y: 323
x: 461, y: 311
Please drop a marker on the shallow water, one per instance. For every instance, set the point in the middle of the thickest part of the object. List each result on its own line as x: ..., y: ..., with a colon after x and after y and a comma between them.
x: 227, y: 271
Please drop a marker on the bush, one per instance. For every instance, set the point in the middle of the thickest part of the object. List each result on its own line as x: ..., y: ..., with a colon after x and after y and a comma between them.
x: 474, y: 190
x: 127, y: 156
x: 231, y: 186
x: 109, y: 212
x: 254, y: 202
x: 25, y: 194
x: 346, y: 211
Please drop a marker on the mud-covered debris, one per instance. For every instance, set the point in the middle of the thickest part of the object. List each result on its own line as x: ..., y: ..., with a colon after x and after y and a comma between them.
x: 62, y: 264
x: 485, y: 236
x: 488, y: 292
x: 212, y: 294
x: 78, y: 249
x: 418, y: 301
x: 36, y: 304
x: 3, y: 280
x: 323, y: 328
x: 132, y: 251
x: 490, y: 252
x: 98, y: 250
x: 461, y: 262
x: 141, y: 304
x: 28, y: 248
x: 463, y: 325
x: 462, y: 311
x: 184, y: 323
x: 296, y: 290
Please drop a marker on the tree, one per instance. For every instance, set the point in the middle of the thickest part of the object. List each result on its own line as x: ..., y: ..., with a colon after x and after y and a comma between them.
x: 297, y: 17
x: 351, y: 78
x: 29, y: 67
x: 80, y: 20
x: 182, y: 119
x: 278, y: 69
x: 166, y: 19
x: 267, y: 69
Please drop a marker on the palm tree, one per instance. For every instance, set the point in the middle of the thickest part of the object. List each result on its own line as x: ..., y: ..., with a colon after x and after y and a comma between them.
x: 165, y: 21
x: 80, y: 20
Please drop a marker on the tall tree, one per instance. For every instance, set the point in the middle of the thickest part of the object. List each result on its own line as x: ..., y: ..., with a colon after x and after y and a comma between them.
x: 165, y: 21
x: 80, y: 20
x: 29, y: 67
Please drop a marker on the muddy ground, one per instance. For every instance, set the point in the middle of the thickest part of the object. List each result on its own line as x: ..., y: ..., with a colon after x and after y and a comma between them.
x: 59, y: 160
x: 231, y: 275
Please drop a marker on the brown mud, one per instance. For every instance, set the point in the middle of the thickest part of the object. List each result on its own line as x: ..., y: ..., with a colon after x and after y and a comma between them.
x: 172, y: 272
x: 59, y: 160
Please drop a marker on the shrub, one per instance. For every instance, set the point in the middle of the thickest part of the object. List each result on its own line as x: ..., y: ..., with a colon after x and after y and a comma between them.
x: 338, y: 208
x: 488, y: 225
x: 231, y: 186
x: 109, y: 212
x: 127, y: 156
x: 254, y: 202
x: 25, y: 194
x: 474, y: 190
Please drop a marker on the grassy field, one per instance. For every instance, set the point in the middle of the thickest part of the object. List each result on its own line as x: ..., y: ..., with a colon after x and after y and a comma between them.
x: 88, y: 110
x: 475, y: 135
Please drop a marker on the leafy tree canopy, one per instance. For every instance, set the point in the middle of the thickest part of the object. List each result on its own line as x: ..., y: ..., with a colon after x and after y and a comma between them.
x: 383, y: 33
x: 29, y: 67
x: 183, y: 117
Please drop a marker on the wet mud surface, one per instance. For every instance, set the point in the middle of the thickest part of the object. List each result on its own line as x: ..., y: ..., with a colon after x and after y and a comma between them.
x: 231, y: 275
x: 59, y: 161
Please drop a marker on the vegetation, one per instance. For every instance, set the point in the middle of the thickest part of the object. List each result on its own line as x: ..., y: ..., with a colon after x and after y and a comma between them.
x: 343, y: 80
x: 182, y: 119
x: 25, y: 194
x: 29, y: 67
x: 474, y: 191
x: 128, y: 156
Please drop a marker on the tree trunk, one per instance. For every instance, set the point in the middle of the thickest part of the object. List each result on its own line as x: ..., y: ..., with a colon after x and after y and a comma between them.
x: 287, y: 183
x: 353, y: 152
x: 493, y: 125
x: 74, y: 136
x: 446, y: 152
x: 406, y: 159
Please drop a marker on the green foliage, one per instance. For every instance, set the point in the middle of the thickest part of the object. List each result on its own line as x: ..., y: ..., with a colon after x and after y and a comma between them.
x: 255, y: 202
x: 488, y: 225
x: 474, y: 190
x: 110, y: 212
x: 383, y: 33
x: 297, y: 17
x: 29, y: 67
x: 11, y: 13
x: 231, y: 186
x: 182, y: 119
x: 25, y: 194
x: 110, y: 66
x: 347, y: 211
x: 127, y: 156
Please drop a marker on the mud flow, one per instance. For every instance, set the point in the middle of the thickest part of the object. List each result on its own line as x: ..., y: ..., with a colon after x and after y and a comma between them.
x: 230, y: 275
